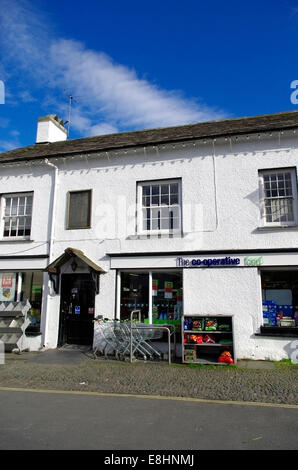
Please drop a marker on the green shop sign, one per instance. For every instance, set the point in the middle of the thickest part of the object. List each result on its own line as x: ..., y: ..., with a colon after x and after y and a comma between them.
x: 253, y: 261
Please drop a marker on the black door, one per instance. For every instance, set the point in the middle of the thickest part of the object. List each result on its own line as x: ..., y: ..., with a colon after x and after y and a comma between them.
x: 77, y: 309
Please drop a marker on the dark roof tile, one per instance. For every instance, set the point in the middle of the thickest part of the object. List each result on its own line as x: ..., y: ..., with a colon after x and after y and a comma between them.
x: 227, y: 127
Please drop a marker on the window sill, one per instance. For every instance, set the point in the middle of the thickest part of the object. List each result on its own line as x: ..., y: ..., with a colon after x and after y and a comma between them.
x: 16, y: 240
x: 279, y: 331
x: 277, y: 227
x: 78, y: 228
x: 155, y: 235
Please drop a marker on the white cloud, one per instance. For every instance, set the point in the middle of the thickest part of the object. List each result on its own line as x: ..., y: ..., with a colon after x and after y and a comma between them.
x: 6, y: 145
x: 110, y: 96
x: 26, y: 97
x: 116, y: 92
x: 24, y: 35
x: 14, y: 132
x: 103, y: 128
x: 4, y: 122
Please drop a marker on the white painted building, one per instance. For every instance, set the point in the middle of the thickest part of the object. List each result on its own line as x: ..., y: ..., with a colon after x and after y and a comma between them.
x: 199, y: 219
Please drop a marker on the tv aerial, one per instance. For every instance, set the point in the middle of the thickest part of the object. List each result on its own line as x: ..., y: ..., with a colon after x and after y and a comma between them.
x: 70, y: 101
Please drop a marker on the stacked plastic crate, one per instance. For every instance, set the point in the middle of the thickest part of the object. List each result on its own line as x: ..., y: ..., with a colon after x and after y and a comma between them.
x: 269, y: 313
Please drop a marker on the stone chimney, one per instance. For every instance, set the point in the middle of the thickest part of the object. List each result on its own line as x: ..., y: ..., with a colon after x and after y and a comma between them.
x: 50, y: 129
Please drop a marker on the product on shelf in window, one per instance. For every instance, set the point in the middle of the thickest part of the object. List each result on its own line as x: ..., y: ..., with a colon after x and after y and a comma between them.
x: 269, y: 313
x: 225, y: 341
x: 188, y: 323
x: 209, y: 339
x: 198, y: 339
x: 155, y: 313
x: 210, y: 324
x: 171, y: 316
x: 198, y: 324
x: 224, y: 327
x: 226, y: 358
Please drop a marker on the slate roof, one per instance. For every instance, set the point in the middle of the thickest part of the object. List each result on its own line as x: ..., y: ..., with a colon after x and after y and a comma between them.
x: 126, y: 140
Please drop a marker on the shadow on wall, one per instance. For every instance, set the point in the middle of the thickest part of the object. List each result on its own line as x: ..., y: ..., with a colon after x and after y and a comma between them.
x: 291, y: 349
x: 254, y: 197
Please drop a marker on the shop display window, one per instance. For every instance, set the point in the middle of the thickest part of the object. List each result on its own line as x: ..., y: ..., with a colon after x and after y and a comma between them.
x: 157, y: 294
x: 8, y: 287
x: 31, y: 289
x: 167, y: 297
x: 280, y: 298
x: 24, y: 286
x: 134, y: 294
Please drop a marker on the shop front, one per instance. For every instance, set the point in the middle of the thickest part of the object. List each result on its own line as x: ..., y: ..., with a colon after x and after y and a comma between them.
x: 220, y: 289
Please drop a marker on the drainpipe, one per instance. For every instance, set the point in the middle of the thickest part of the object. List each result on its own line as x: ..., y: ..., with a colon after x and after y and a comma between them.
x: 52, y: 225
x: 52, y: 212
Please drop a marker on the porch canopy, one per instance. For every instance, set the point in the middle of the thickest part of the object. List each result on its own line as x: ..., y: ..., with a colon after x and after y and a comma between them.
x: 72, y: 253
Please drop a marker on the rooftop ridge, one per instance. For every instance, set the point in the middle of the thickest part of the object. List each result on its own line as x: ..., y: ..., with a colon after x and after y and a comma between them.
x: 156, y: 136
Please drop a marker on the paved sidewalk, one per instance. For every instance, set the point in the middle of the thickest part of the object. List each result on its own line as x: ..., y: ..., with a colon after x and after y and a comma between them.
x: 76, y: 369
x: 63, y: 356
x: 72, y: 354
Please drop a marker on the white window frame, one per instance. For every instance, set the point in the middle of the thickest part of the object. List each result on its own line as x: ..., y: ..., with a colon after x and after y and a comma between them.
x: 140, y: 185
x: 4, y: 198
x: 263, y: 198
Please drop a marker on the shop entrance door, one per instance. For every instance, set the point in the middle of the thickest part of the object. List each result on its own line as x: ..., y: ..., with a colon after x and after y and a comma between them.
x: 77, y: 309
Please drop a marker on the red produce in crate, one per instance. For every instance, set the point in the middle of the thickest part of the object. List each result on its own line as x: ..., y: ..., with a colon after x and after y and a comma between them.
x: 226, y: 358
x: 209, y: 339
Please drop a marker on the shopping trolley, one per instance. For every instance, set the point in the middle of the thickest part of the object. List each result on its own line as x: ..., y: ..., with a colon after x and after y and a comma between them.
x: 124, y: 338
x: 145, y: 333
x: 107, y: 341
x: 136, y: 339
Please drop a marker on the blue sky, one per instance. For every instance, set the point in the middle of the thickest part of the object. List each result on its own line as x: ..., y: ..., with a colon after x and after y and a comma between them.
x: 142, y: 64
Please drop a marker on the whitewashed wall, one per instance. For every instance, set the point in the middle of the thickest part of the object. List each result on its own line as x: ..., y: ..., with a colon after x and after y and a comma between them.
x: 25, y: 178
x: 113, y: 180
x: 221, y: 211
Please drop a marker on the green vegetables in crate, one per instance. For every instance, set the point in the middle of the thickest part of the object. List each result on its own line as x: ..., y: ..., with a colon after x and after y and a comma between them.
x: 210, y: 324
x: 224, y: 327
x: 198, y: 324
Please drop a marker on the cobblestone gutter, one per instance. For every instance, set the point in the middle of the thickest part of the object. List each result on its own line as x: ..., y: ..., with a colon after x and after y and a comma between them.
x: 248, y: 381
